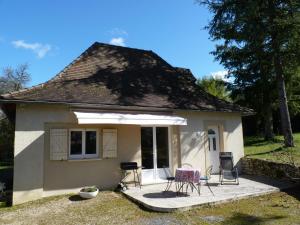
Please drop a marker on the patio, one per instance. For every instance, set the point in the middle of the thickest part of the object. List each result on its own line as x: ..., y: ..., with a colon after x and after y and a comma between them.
x: 154, y: 198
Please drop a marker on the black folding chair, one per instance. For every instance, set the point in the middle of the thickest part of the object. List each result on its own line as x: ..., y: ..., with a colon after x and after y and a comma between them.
x: 228, y: 172
x: 169, y: 178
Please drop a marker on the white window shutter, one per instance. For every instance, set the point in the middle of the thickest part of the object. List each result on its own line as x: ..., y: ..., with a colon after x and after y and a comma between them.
x: 110, y: 143
x: 58, y: 144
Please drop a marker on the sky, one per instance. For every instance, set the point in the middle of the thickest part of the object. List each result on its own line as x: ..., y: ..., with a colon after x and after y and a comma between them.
x: 48, y: 35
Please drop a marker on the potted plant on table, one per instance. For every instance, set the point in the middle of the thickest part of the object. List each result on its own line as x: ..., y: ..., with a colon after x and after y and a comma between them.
x: 89, y: 192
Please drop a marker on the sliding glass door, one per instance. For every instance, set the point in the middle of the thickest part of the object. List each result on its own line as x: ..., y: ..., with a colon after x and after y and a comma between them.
x: 155, y: 153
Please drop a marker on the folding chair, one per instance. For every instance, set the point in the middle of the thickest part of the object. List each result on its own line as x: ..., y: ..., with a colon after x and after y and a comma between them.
x: 228, y: 171
x: 169, y: 178
x: 206, y: 178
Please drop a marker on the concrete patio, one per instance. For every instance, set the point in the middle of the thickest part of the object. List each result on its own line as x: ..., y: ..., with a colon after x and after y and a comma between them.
x: 154, y: 198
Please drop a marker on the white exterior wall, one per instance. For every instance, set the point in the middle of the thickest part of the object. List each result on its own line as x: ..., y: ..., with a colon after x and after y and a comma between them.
x: 36, y: 176
x: 193, y: 140
x: 29, y: 148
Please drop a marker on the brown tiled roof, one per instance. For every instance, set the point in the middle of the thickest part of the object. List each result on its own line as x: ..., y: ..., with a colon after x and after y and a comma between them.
x: 112, y: 75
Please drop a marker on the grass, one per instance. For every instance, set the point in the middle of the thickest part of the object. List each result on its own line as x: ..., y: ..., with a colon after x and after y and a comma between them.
x: 113, y: 208
x: 5, y: 165
x: 257, y: 147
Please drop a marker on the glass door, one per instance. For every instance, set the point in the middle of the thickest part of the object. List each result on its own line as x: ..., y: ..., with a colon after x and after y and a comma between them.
x: 162, y: 152
x: 148, y: 175
x: 155, y: 153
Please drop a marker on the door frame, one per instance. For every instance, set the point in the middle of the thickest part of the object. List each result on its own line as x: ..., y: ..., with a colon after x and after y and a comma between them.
x: 215, y: 127
x: 155, y: 169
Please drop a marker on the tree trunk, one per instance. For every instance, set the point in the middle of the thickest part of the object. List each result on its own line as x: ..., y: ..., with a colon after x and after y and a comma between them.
x: 283, y: 106
x: 268, y: 122
x: 267, y: 113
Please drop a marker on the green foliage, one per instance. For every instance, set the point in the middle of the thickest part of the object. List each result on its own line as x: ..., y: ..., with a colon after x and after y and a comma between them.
x: 293, y: 93
x: 259, y: 44
x: 216, y: 87
x: 89, y: 189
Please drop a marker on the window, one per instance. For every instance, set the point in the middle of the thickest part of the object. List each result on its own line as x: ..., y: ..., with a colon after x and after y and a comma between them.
x: 83, y: 143
x: 212, y: 140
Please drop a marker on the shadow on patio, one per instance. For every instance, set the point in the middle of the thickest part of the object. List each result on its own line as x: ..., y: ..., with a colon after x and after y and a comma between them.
x: 154, y: 198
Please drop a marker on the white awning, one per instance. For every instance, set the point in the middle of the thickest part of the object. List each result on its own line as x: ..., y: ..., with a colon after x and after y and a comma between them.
x: 136, y: 119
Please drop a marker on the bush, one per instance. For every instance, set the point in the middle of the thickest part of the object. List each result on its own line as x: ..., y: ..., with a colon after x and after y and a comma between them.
x: 89, y: 189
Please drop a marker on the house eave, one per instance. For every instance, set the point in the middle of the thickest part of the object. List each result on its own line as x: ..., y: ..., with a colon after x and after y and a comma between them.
x: 108, y: 107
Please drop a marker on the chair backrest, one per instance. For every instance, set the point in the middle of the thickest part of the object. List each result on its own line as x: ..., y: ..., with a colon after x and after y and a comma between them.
x: 208, y: 172
x: 167, y: 171
x: 226, y: 160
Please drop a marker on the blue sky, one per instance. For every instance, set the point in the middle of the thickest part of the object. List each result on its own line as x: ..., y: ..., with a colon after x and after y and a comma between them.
x: 48, y: 35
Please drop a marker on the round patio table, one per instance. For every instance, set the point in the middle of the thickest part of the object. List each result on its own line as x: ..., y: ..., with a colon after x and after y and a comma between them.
x: 189, y: 177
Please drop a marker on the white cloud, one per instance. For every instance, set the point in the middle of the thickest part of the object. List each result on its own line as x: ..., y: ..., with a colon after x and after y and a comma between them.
x: 118, y: 41
x: 220, y: 75
x: 118, y: 31
x: 39, y: 49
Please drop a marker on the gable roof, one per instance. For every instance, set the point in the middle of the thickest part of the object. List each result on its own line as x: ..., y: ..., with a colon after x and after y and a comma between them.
x: 120, y: 76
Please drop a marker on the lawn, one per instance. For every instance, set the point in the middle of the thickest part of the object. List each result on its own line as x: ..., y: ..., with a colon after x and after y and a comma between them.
x: 112, y: 208
x: 257, y: 147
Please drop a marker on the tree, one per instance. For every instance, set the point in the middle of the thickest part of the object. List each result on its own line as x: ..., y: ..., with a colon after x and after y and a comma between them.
x: 216, y: 87
x: 293, y: 94
x: 259, y: 41
x: 10, y: 80
x: 14, y: 79
x: 257, y: 97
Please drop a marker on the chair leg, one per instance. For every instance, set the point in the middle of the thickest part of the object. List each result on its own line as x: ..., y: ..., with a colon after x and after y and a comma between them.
x: 134, y: 178
x: 138, y: 178
x: 199, y: 186
x: 209, y: 188
x: 221, y: 179
x: 186, y: 189
x: 179, y: 186
x: 169, y: 184
x: 237, y: 180
x: 167, y: 187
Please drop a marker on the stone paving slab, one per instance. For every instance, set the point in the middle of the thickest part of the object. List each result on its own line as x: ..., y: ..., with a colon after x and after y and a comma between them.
x: 154, y: 198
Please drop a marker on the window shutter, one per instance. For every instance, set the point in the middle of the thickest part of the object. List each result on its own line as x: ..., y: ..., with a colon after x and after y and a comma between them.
x: 58, y: 144
x: 110, y: 143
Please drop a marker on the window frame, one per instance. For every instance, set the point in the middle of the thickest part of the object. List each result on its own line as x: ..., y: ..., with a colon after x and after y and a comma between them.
x: 155, y: 147
x: 83, y: 154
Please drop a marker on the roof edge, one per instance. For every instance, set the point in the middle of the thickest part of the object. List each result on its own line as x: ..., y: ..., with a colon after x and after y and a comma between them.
x: 114, y: 106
